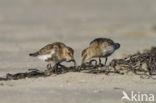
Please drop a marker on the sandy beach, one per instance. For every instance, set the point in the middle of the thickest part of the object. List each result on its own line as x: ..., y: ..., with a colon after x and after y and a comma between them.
x: 28, y: 25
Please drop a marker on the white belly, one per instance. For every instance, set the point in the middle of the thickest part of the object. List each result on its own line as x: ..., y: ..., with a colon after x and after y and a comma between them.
x: 46, y: 56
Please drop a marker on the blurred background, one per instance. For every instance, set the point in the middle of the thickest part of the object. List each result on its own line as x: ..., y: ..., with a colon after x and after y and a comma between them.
x: 28, y: 25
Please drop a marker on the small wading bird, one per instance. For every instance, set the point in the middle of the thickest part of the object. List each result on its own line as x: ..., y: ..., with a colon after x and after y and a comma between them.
x: 101, y: 48
x: 56, y: 52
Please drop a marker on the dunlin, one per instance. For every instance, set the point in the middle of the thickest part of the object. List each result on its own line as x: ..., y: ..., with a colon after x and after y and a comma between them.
x: 101, y: 48
x: 56, y: 52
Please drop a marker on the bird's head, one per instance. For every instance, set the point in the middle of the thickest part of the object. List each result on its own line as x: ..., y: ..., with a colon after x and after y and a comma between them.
x: 69, y: 54
x: 117, y: 45
x: 86, y: 54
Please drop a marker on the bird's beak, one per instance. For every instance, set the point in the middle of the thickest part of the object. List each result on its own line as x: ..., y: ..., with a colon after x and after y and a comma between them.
x: 74, y: 62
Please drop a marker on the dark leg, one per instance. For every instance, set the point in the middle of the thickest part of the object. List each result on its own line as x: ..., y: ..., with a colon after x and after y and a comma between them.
x: 59, y: 67
x: 56, y: 67
x: 99, y: 61
x: 106, y: 60
x: 100, y: 64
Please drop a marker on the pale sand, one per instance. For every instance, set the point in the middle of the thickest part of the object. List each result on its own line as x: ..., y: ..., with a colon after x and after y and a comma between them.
x: 28, y: 25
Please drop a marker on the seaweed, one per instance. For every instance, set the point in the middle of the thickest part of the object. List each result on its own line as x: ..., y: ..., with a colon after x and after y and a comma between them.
x: 143, y: 64
x: 139, y: 63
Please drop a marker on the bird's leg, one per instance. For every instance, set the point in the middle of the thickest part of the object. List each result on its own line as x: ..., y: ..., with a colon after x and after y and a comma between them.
x: 99, y: 60
x: 60, y: 67
x: 106, y: 60
x: 100, y: 64
x: 55, y: 68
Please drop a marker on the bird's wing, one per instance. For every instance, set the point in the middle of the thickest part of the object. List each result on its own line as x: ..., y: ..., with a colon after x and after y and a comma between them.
x: 46, y: 50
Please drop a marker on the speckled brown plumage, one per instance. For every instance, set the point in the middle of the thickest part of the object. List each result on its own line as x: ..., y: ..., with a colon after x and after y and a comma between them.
x: 55, y: 52
x: 99, y: 47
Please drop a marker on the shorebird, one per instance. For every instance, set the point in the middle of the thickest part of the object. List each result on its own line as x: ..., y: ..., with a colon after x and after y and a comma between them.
x: 100, y: 48
x: 56, y: 52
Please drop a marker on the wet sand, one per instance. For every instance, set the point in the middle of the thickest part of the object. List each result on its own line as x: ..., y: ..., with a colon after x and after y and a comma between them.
x: 28, y: 25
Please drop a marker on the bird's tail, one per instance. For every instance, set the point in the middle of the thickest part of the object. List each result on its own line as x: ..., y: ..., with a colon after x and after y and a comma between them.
x: 117, y: 45
x: 34, y: 54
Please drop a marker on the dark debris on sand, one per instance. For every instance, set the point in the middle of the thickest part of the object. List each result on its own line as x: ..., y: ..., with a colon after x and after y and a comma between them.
x: 143, y: 64
x: 140, y: 63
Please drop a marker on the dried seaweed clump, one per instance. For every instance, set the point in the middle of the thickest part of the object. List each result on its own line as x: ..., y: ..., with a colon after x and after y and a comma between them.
x: 139, y: 63
x: 34, y: 73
